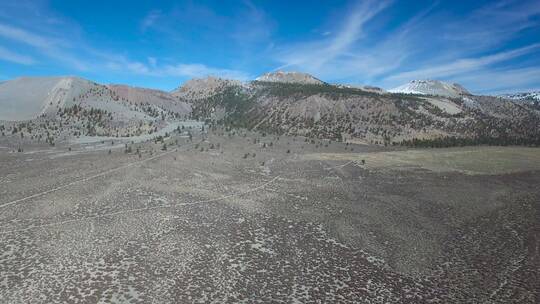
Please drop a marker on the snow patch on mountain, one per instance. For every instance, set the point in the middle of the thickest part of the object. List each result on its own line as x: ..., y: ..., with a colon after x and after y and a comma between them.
x: 367, y: 88
x: 524, y: 96
x: 432, y: 87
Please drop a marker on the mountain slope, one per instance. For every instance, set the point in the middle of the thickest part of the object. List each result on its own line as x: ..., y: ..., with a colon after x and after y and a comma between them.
x: 432, y: 87
x: 530, y: 97
x: 198, y: 88
x: 289, y: 77
x: 48, y: 108
x: 143, y: 96
x: 27, y: 98
x: 338, y: 112
x: 71, y: 106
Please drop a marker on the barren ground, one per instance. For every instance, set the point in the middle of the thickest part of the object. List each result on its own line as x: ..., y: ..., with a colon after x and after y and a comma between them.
x: 311, y: 226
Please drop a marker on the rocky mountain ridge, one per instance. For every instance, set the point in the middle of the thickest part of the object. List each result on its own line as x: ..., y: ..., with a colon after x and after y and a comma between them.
x: 289, y: 77
x: 432, y: 87
x: 378, y: 117
x: 528, y: 97
x: 289, y: 103
x: 49, y: 108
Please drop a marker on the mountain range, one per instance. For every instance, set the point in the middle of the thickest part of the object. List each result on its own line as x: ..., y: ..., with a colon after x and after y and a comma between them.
x: 432, y: 87
x: 530, y: 97
x: 422, y: 112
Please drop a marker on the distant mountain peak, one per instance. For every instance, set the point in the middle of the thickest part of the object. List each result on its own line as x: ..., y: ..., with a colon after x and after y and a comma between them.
x: 289, y: 77
x: 206, y: 82
x: 432, y: 87
x: 523, y: 96
x: 28, y: 97
x: 204, y: 87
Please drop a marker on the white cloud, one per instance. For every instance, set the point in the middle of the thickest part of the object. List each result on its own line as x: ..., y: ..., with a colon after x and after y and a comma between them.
x: 24, y: 36
x: 492, y: 24
x: 201, y: 70
x: 316, y: 55
x: 48, y: 46
x: 499, y: 81
x: 460, y: 66
x: 8, y: 55
x: 431, y: 44
x: 150, y: 19
x: 353, y: 27
x: 192, y: 70
x: 250, y: 26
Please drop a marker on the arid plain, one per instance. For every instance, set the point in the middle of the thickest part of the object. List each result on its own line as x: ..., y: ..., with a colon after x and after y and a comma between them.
x: 238, y: 216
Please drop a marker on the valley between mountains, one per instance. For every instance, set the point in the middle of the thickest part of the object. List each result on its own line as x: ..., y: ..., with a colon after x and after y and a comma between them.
x: 284, y: 189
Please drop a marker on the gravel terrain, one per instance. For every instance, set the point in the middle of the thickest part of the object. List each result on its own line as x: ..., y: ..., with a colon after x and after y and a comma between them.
x: 226, y: 218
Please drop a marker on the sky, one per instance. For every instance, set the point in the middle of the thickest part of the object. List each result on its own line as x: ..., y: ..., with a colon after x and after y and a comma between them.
x: 490, y: 47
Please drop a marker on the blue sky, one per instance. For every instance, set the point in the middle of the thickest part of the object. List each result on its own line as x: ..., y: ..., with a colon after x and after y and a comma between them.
x: 488, y: 46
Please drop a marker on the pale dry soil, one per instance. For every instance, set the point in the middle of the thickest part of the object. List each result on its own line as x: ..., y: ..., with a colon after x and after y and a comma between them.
x: 314, y: 225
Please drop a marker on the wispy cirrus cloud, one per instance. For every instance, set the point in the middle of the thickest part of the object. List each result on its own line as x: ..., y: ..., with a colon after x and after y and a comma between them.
x: 24, y: 36
x: 248, y: 26
x: 91, y: 59
x: 502, y: 80
x: 47, y: 45
x: 350, y: 52
x: 431, y: 44
x: 383, y: 43
x: 251, y: 27
x: 150, y: 19
x: 50, y: 40
x: 201, y: 70
x: 476, y: 44
x: 189, y: 70
x: 463, y: 65
x: 317, y: 56
x: 241, y: 38
x: 493, y: 24
x: 10, y: 56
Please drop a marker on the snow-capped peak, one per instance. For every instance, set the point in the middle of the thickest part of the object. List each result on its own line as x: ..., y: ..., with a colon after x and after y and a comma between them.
x: 525, y: 96
x: 431, y: 87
